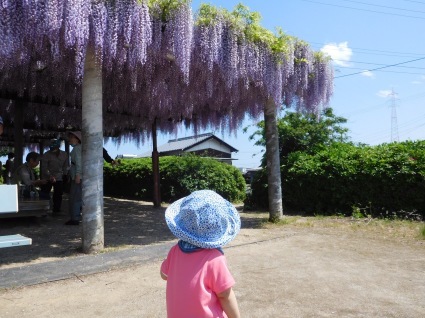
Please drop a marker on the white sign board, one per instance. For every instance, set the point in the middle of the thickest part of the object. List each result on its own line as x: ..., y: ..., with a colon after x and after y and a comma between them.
x: 8, y: 198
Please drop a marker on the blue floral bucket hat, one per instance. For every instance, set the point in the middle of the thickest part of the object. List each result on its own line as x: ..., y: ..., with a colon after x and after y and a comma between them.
x: 203, y: 219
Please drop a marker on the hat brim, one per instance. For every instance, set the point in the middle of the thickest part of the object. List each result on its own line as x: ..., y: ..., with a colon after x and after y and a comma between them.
x: 75, y: 135
x: 233, y: 222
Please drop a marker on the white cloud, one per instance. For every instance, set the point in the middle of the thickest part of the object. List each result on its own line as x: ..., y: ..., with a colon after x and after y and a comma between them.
x: 339, y: 52
x: 368, y: 74
x: 384, y: 93
x: 417, y: 82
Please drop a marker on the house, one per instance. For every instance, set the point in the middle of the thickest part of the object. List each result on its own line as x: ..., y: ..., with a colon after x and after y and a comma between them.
x: 249, y: 173
x: 204, y: 145
x: 126, y: 156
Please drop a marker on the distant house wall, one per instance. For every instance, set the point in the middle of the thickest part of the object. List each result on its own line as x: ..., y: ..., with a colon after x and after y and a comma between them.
x: 212, y: 153
x: 210, y: 144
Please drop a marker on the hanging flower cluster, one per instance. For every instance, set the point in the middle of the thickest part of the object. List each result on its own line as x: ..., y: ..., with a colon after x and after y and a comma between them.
x: 157, y: 63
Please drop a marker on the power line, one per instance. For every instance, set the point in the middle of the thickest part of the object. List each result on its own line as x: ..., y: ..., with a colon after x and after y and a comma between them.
x: 382, y: 135
x: 388, y: 54
x: 380, y: 6
x: 413, y: 129
x: 385, y: 135
x: 382, y: 105
x: 380, y: 68
x: 420, y: 2
x: 391, y: 53
x: 363, y: 110
x: 407, y: 124
x: 415, y: 96
x: 414, y: 67
x: 374, y: 11
x: 375, y: 53
x: 396, y: 72
x: 406, y: 127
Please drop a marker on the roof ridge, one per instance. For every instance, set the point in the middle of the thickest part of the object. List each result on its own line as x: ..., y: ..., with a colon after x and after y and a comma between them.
x: 191, y: 137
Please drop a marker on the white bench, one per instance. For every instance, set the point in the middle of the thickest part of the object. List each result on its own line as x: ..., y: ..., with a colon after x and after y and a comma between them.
x: 9, y: 204
x: 14, y: 240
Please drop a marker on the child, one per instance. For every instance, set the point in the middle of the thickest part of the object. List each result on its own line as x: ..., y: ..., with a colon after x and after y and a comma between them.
x: 199, y: 283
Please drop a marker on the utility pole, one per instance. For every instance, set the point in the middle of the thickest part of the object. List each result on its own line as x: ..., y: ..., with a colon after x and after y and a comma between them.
x: 394, y: 126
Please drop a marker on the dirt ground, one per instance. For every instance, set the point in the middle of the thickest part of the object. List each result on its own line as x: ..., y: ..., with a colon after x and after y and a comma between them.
x: 308, y: 267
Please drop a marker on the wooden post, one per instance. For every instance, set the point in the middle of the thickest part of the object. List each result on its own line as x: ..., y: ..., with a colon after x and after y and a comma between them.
x: 155, y: 168
x: 41, y: 145
x: 18, y: 133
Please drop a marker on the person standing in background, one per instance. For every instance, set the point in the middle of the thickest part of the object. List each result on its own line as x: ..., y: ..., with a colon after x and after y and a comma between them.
x: 108, y: 158
x: 54, y: 166
x: 1, y: 164
x: 75, y: 171
x: 8, y: 168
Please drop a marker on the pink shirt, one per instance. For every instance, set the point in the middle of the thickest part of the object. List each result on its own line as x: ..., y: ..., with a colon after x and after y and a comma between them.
x: 193, y: 281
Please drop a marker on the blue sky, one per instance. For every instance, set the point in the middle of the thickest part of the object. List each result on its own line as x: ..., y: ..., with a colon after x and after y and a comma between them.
x: 361, y: 36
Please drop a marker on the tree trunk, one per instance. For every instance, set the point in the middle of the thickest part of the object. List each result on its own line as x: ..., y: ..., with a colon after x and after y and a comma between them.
x: 41, y: 145
x: 155, y: 169
x: 273, y: 162
x: 92, y: 161
x: 18, y: 127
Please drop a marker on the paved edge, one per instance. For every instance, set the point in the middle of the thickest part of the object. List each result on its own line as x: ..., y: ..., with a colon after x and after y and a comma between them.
x: 81, y: 265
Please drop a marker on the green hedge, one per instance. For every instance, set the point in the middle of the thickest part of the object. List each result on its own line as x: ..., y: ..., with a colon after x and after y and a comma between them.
x: 388, y: 177
x: 179, y: 176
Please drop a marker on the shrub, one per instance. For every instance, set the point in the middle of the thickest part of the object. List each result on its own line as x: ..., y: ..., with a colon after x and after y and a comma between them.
x: 257, y: 198
x: 179, y: 176
x: 131, y: 179
x: 388, y: 177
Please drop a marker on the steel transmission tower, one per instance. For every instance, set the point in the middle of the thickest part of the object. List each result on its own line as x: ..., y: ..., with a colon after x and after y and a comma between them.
x: 394, y: 126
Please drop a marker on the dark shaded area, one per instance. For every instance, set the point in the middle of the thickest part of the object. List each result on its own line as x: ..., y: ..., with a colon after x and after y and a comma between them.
x: 127, y: 224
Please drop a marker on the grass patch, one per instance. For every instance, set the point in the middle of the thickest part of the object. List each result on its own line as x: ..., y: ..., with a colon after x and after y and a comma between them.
x: 109, y: 249
x: 422, y: 233
x: 286, y: 220
x: 379, y: 228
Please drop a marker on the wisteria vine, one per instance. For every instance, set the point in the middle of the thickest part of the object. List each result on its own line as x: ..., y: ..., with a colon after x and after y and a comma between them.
x: 156, y: 65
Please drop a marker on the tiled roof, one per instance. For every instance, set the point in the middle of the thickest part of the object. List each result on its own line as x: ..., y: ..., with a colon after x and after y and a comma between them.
x: 186, y: 143
x: 183, y: 143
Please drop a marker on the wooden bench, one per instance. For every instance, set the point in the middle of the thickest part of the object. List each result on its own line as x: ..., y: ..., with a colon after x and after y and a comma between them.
x: 14, y: 240
x: 9, y: 205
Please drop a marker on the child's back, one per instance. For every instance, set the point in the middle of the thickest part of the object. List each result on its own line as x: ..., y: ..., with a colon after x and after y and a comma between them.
x: 200, y: 276
x: 199, y: 284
